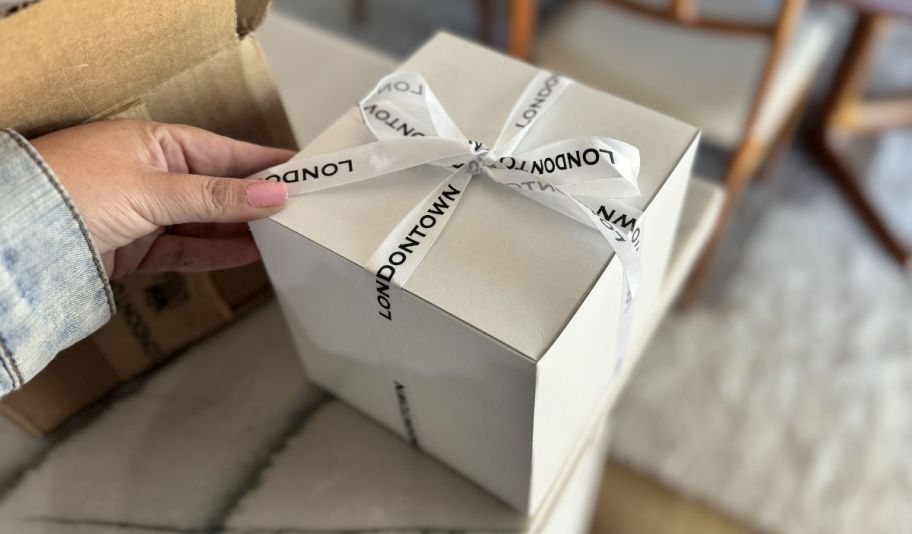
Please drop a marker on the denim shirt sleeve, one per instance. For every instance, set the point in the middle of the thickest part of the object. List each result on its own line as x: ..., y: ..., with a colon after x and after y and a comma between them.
x: 53, y: 287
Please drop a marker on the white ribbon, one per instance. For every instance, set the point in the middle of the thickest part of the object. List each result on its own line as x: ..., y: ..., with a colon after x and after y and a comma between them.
x: 583, y: 178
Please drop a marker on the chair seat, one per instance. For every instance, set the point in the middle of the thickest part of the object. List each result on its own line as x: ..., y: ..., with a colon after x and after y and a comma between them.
x: 702, y: 77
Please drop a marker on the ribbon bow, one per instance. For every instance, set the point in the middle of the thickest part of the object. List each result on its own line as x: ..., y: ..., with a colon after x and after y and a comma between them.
x: 583, y: 178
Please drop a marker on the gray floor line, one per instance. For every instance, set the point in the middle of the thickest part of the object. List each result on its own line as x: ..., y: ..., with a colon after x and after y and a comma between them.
x: 379, y: 530
x: 270, y: 449
x: 83, y: 419
x: 118, y: 525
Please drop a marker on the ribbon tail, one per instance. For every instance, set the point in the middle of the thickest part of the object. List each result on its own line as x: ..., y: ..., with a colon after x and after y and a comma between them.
x: 619, y: 242
x: 539, y: 95
x: 629, y: 256
x: 389, y: 267
x: 410, y: 241
x: 309, y: 174
x: 622, y: 215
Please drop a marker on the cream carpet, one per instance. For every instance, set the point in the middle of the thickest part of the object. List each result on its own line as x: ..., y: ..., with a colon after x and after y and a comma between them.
x: 788, y: 402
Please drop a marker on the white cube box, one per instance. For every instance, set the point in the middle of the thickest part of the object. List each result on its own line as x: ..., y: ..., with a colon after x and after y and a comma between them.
x: 510, y: 321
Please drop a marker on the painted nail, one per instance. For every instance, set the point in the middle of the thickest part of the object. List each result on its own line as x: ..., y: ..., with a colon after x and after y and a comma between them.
x: 266, y: 194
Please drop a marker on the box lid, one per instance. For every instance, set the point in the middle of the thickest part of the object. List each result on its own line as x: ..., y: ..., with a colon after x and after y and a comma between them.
x: 64, y: 61
x: 505, y: 265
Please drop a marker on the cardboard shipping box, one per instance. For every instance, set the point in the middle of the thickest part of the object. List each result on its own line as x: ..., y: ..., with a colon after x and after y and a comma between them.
x: 66, y: 62
x: 510, y: 321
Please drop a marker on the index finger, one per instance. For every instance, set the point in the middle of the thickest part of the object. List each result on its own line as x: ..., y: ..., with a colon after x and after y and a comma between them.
x: 211, y: 154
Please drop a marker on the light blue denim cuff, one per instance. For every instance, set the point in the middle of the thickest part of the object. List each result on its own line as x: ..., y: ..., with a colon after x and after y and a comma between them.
x: 53, y: 287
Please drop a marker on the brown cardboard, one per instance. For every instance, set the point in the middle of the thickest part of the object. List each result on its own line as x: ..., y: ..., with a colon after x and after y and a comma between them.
x: 250, y: 14
x: 231, y: 93
x: 66, y: 62
x: 75, y: 59
x: 51, y: 397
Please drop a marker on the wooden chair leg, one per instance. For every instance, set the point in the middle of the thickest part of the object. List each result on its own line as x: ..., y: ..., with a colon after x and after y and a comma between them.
x: 485, y: 21
x: 743, y: 166
x: 845, y: 178
x: 523, y: 21
x: 784, y: 138
x: 845, y: 117
x: 357, y: 10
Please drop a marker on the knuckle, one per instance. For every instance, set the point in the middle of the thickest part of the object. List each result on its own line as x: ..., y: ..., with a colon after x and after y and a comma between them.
x: 219, y: 196
x: 149, y: 197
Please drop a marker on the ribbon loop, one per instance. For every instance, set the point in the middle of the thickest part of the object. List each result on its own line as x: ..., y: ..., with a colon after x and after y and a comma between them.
x: 540, y: 94
x: 409, y: 95
x: 584, y: 159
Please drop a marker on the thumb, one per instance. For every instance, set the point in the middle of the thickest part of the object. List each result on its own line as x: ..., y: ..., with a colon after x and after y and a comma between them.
x: 185, y: 198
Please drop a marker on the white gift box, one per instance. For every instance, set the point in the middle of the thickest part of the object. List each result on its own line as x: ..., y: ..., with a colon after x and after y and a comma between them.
x: 510, y: 322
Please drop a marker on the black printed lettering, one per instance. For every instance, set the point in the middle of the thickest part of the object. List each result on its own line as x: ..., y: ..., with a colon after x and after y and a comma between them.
x: 528, y: 114
x: 610, y: 154
x: 411, y: 241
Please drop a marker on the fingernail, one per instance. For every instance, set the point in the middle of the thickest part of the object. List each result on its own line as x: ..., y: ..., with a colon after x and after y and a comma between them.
x: 266, y: 194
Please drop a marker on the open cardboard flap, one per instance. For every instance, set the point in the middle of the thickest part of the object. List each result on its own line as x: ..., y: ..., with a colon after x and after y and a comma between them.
x: 66, y: 62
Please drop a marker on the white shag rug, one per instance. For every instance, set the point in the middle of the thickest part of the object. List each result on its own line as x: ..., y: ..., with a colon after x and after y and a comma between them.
x: 788, y: 403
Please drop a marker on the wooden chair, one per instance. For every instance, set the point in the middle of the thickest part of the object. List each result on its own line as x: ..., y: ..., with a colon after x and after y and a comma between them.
x: 849, y: 114
x: 742, y: 75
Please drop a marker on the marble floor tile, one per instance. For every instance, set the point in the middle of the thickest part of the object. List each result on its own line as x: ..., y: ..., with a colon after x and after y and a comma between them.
x: 18, y: 451
x: 179, y: 452
x: 27, y: 526
x: 343, y: 472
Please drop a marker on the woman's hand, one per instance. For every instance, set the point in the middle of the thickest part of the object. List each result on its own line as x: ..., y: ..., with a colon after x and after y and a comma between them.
x: 163, y: 197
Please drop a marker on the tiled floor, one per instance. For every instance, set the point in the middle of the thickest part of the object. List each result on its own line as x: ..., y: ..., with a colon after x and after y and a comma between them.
x: 174, y: 455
